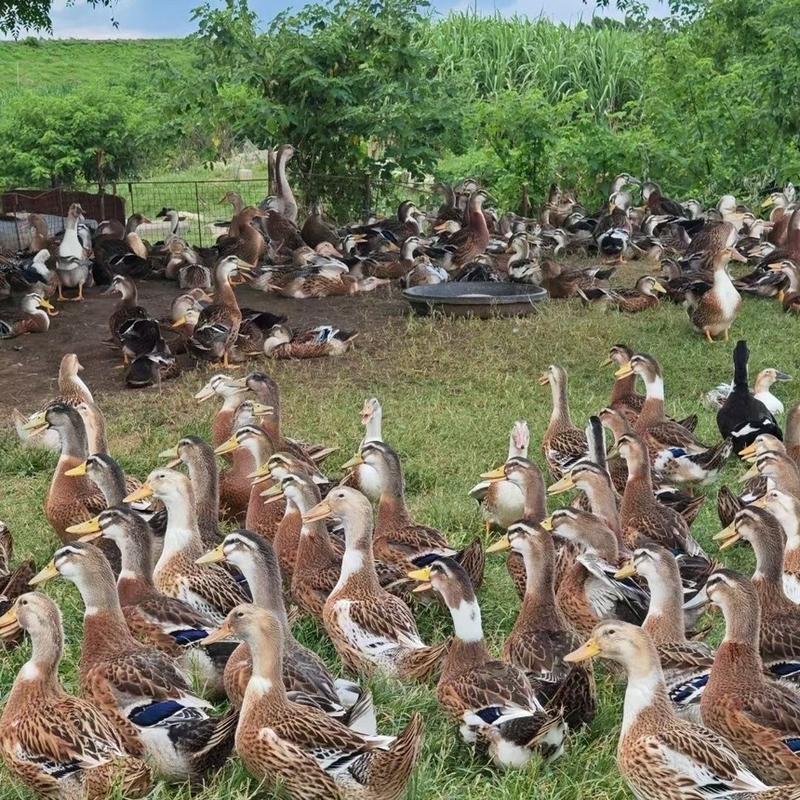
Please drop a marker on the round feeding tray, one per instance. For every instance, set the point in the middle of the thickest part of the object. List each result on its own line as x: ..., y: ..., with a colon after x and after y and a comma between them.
x: 478, y: 299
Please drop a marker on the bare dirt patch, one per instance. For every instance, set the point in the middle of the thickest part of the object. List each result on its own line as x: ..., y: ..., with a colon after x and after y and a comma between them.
x: 29, y: 364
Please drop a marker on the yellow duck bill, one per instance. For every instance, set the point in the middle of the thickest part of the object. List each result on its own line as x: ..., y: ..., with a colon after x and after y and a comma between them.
x: 503, y: 543
x: 212, y: 556
x: 44, y: 575
x: 585, y: 652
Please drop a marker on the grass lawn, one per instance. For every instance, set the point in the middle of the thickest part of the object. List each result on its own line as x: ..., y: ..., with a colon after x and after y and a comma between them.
x: 450, y: 392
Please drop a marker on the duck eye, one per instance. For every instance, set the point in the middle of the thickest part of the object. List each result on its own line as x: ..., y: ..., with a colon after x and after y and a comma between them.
x: 240, y: 614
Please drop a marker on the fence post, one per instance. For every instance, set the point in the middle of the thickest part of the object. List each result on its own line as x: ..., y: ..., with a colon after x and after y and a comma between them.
x: 197, y: 206
x: 130, y: 192
x: 367, y: 196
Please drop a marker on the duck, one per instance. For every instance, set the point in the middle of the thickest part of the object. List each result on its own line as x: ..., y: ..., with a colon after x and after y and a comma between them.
x: 424, y: 273
x: 298, y: 747
x: 325, y: 340
x: 72, y: 390
x: 198, y: 456
x: 237, y: 484
x: 541, y: 635
x: 643, y: 297
x: 492, y: 701
x: 788, y: 294
x: 247, y: 243
x: 268, y: 394
x: 500, y: 500
x: 162, y: 622
x: 779, y: 621
x: 588, y: 591
x: 743, y: 416
x: 284, y: 201
x: 57, y: 745
x: 762, y: 386
x: 564, y: 282
x: 641, y: 515
x: 69, y: 499
x: 563, y: 444
x: 232, y: 394
x: 13, y: 580
x: 760, y: 718
x: 660, y: 756
x: 685, y: 663
x: 139, y: 689
x: 210, y: 591
x: 786, y: 509
x: 371, y: 629
x: 306, y: 678
x: 522, y: 266
x: 36, y: 312
x: 364, y: 477
x: 73, y: 268
x: 472, y: 239
x: 399, y: 539
x: 127, y: 308
x: 713, y: 308
x: 652, y: 424
x: 218, y: 324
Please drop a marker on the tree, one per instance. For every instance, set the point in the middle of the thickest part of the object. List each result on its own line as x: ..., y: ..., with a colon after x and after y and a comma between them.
x: 16, y: 15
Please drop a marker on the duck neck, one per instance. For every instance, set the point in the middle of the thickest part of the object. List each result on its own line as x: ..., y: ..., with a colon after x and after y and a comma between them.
x: 113, y: 485
x: 95, y: 424
x: 640, y: 482
x: 225, y: 294
x: 653, y: 408
x: 646, y: 692
x: 182, y: 532
x: 664, y: 620
x: 70, y: 385
x: 622, y: 388
x: 560, y: 418
x: 392, y: 509
x: 373, y: 431
x: 266, y: 683
x: 106, y: 633
x: 284, y: 190
x: 540, y: 599
x: 468, y: 647
x: 135, y: 581
x: 769, y: 558
x: 204, y: 476
x: 534, y: 497
x: 264, y: 582
x: 39, y: 674
x: 603, y: 502
x: 358, y: 562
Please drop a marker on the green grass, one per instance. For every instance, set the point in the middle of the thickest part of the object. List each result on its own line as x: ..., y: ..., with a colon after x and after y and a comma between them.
x: 66, y: 64
x: 450, y: 391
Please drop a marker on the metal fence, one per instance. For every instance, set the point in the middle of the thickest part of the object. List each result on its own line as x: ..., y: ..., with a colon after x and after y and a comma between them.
x: 202, y: 206
x: 205, y: 212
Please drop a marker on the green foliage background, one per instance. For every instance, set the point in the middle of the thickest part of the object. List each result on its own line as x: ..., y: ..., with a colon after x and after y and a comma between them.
x: 705, y: 100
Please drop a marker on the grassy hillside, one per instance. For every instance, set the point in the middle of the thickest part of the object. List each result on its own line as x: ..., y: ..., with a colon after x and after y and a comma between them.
x: 55, y: 65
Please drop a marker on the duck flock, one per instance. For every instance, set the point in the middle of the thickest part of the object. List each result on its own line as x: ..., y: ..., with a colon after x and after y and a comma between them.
x: 689, y: 247
x: 192, y: 579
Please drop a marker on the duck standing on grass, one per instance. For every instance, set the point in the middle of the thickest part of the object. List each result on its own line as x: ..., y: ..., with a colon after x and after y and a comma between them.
x: 713, y: 308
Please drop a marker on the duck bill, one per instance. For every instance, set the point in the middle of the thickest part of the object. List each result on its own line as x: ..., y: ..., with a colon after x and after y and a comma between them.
x: 90, y: 537
x: 319, y: 511
x: 36, y: 423
x: 261, y: 410
x: 627, y: 571
x: 212, y: 556
x: 44, y: 575
x: 727, y: 537
x: 272, y: 497
x: 544, y: 379
x: 547, y: 524
x: 354, y: 462
x: 657, y: 287
x: 624, y: 371
x: 9, y: 624
x: 50, y: 309
x: 502, y: 544
x: 564, y: 485
x: 206, y: 393
x: 227, y: 447
x: 219, y: 635
x: 90, y: 526
x: 142, y: 493
x: 76, y: 472
x: 423, y: 577
x: 749, y: 452
x: 495, y: 475
x: 783, y: 377
x: 606, y: 362
x: 584, y: 653
x: 172, y: 454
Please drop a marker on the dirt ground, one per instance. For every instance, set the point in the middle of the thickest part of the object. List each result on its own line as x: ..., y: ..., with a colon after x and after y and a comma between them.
x: 29, y: 364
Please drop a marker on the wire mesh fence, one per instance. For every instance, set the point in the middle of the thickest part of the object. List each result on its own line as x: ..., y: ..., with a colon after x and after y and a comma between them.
x: 204, y: 206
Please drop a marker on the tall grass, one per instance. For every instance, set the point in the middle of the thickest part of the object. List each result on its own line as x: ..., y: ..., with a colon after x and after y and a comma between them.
x: 492, y: 55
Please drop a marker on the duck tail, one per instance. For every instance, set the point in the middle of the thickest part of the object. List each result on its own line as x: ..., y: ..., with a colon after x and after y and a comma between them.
x: 473, y: 559
x: 390, y: 770
x: 741, y: 356
x: 728, y: 505
x: 360, y: 716
x: 422, y: 663
x: 690, y: 422
x: 715, y: 457
x: 218, y: 745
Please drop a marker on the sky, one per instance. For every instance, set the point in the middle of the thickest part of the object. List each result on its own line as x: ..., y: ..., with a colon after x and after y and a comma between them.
x: 142, y: 19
